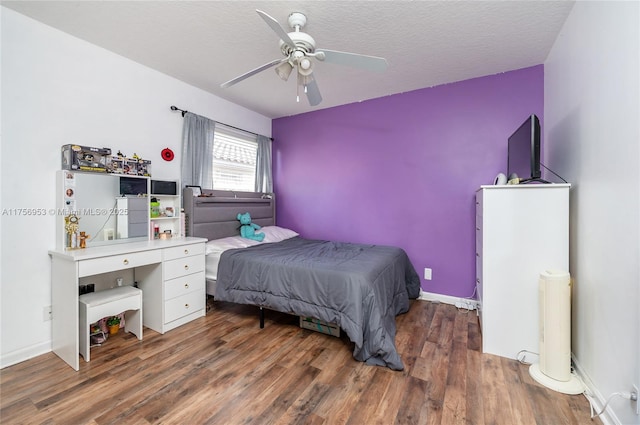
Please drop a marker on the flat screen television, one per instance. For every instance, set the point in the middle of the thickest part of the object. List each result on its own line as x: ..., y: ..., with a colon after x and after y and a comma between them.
x: 133, y: 186
x: 524, y: 151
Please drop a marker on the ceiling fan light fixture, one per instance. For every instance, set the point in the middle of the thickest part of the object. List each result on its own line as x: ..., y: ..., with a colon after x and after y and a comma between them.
x: 284, y: 70
x: 305, y: 66
x: 305, y: 63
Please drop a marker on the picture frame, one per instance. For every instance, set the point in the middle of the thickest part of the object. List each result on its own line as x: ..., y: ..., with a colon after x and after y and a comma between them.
x: 197, y: 190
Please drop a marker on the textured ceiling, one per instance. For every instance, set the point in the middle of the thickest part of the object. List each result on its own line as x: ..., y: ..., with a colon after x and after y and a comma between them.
x: 205, y: 43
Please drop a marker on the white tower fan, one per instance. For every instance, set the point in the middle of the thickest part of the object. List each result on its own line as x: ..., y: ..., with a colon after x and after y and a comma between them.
x: 554, y: 369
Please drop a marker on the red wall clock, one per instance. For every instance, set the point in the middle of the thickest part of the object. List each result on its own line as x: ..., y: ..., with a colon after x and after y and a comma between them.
x: 167, y: 154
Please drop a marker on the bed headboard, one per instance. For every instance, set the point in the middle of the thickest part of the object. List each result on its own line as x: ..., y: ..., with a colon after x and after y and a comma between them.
x: 214, y: 216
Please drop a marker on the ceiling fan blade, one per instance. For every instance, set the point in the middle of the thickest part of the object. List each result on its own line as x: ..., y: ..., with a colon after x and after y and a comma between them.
x: 310, y: 87
x: 253, y: 72
x: 313, y: 93
x: 369, y: 63
x: 275, y: 26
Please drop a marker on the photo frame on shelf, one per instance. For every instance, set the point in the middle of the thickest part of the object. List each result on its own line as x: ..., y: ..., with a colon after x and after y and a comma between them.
x: 197, y: 190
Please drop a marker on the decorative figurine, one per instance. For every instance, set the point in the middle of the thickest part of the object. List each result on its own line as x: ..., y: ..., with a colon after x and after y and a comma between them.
x: 71, y: 226
x: 83, y: 239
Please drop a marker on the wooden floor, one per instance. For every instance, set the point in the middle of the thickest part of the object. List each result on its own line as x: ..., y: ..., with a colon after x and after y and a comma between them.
x: 223, y: 369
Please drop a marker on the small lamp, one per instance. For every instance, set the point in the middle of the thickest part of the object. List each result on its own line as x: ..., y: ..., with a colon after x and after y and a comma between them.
x: 304, y: 66
x: 284, y: 70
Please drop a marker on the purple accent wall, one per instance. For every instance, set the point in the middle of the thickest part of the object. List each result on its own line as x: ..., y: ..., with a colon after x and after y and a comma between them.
x: 403, y: 170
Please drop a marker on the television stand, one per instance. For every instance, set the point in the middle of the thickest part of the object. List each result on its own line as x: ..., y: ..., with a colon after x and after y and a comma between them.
x: 521, y: 231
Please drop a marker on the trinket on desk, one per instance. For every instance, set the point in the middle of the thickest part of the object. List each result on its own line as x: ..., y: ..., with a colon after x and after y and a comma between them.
x: 71, y: 223
x: 83, y: 239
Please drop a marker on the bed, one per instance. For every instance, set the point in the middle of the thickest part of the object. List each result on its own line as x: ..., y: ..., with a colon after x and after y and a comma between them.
x: 359, y: 287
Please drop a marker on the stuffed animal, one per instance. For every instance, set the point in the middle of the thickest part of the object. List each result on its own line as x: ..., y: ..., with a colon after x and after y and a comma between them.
x: 248, y: 229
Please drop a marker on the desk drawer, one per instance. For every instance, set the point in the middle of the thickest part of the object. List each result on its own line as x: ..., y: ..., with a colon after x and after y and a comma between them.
x: 183, y: 266
x: 183, y: 285
x: 118, y: 262
x: 183, y: 251
x: 183, y: 305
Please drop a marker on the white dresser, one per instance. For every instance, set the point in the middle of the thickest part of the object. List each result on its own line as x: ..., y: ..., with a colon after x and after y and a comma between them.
x: 182, y: 294
x: 169, y: 272
x: 521, y: 230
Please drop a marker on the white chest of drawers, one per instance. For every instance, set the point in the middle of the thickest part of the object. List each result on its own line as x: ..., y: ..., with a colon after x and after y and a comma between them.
x: 169, y: 272
x: 181, y: 297
x: 521, y: 231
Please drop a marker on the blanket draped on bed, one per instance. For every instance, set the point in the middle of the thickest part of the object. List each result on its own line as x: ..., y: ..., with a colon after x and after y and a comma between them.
x: 359, y: 287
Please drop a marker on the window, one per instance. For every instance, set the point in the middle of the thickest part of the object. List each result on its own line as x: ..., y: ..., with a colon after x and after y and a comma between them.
x: 234, y: 159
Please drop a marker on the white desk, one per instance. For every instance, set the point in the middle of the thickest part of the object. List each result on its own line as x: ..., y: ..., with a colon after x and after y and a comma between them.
x: 169, y: 272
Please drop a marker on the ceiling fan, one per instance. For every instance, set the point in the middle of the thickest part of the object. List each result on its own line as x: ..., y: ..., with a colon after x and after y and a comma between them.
x: 299, y: 49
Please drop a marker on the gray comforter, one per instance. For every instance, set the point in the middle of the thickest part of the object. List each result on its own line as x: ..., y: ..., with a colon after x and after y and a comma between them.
x: 361, y: 288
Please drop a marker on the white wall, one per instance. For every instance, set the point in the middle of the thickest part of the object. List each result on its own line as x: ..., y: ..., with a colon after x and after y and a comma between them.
x: 57, y: 89
x: 592, y: 139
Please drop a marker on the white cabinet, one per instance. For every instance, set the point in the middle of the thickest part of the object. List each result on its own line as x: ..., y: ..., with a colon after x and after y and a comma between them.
x: 169, y: 214
x: 181, y: 297
x: 132, y: 221
x: 521, y: 230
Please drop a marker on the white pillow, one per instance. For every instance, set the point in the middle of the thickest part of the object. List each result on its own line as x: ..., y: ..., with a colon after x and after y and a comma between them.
x: 276, y: 234
x: 231, y: 242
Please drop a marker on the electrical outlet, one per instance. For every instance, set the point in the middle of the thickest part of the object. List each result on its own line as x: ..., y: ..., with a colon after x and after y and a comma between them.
x: 636, y: 401
x: 46, y: 313
x: 427, y: 273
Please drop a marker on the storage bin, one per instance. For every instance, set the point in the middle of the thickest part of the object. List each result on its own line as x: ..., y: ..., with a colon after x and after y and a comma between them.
x: 319, y: 326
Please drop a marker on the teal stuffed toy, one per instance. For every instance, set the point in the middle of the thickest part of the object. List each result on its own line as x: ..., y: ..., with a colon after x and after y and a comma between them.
x: 248, y: 229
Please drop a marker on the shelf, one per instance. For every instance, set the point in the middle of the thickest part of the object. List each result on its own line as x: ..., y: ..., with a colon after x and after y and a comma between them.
x: 168, y: 223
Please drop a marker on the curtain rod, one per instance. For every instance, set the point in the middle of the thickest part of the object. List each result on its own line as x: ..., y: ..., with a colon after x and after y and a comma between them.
x: 175, y: 108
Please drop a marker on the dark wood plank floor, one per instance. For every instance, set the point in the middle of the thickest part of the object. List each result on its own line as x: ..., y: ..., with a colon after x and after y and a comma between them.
x: 223, y: 369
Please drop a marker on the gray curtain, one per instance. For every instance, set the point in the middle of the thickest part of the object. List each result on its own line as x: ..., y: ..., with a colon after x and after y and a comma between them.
x: 197, y: 151
x: 264, y: 178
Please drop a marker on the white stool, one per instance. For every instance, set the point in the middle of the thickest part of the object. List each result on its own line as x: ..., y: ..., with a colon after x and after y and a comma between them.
x: 111, y: 302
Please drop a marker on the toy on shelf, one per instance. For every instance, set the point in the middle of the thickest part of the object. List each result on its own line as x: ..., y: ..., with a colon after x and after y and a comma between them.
x: 134, y: 166
x: 86, y: 158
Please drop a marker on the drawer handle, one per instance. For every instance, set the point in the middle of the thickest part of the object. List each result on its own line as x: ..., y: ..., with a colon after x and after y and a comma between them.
x: 186, y: 306
x: 186, y: 267
x: 186, y: 251
x: 125, y: 261
x: 186, y: 285
x: 477, y: 255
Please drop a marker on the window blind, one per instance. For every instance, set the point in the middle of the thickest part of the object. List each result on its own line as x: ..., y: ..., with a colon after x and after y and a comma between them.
x: 234, y: 159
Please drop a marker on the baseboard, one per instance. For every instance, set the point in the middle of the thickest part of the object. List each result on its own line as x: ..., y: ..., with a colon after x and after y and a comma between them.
x: 18, y: 356
x: 594, y: 396
x: 447, y: 299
